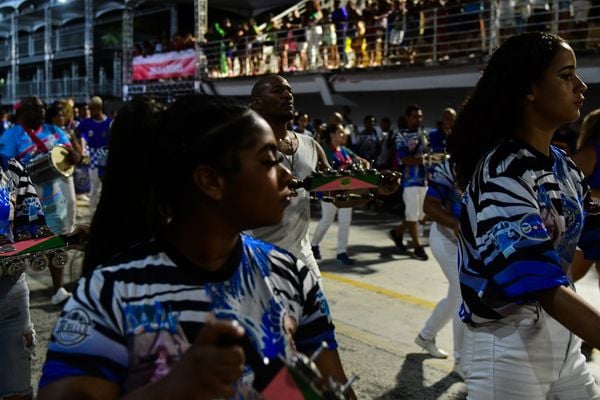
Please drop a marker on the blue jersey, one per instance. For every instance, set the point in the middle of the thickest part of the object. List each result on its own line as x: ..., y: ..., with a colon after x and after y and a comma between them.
x: 441, y: 185
x: 411, y: 143
x: 133, y: 318
x: 524, y: 214
x: 95, y: 134
x: 437, y: 141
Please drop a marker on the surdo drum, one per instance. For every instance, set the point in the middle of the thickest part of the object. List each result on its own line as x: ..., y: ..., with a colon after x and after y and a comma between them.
x: 50, y: 166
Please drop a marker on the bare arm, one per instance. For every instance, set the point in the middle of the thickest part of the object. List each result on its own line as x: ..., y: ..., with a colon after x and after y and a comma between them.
x: 330, y: 365
x: 573, y: 312
x: 410, y: 160
x: 585, y: 159
x: 322, y: 158
x: 434, y: 208
x: 205, y: 371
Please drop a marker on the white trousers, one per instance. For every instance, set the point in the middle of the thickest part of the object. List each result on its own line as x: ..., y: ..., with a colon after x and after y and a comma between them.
x: 67, y: 186
x: 528, y: 355
x: 446, y: 253
x: 95, y: 189
x: 328, y: 212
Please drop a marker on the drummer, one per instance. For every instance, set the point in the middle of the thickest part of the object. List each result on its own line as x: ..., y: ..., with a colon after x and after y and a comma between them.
x: 27, y: 140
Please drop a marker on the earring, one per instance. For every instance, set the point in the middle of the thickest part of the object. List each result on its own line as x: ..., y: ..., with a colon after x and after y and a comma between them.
x: 530, y: 97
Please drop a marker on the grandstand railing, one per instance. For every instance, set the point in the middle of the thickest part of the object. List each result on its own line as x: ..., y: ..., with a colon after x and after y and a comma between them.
x: 432, y: 37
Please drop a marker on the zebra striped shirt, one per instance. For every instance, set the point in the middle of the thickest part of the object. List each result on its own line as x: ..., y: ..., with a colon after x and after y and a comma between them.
x: 523, y: 215
x: 133, y: 318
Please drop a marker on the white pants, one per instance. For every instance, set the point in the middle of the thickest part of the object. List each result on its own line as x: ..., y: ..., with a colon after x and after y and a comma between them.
x: 95, y: 189
x: 445, y: 252
x: 413, y: 197
x: 528, y: 355
x: 67, y: 186
x: 328, y: 212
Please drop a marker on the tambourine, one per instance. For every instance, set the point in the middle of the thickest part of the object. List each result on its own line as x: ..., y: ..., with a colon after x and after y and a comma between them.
x: 433, y: 159
x: 289, y: 378
x: 37, y: 254
x: 350, y: 184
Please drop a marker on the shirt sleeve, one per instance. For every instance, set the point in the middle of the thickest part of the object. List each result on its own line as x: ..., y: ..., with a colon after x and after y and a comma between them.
x: 401, y: 146
x: 315, y: 325
x: 88, y: 338
x: 62, y: 137
x: 515, y: 246
x: 589, y: 241
x: 29, y: 216
x: 440, y: 184
x: 8, y: 144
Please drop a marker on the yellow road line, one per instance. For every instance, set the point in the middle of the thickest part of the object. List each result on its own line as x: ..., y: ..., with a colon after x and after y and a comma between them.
x: 407, y: 298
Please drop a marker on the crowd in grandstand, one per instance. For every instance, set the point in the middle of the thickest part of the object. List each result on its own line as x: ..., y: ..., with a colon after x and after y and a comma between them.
x: 361, y: 34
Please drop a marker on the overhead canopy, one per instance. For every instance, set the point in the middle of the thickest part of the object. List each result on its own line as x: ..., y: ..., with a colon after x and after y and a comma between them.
x: 74, y: 8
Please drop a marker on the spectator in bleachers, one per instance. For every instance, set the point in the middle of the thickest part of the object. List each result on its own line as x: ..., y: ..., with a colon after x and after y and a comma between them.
x: 581, y: 12
x: 593, y: 38
x: 311, y: 20
x: 339, y: 17
x: 540, y: 17
x: 396, y: 27
x: 506, y: 17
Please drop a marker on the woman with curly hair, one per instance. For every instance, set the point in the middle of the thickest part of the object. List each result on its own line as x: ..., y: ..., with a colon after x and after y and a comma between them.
x: 524, y: 211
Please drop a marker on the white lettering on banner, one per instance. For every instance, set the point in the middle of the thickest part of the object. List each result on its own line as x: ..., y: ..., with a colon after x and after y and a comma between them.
x: 173, y: 64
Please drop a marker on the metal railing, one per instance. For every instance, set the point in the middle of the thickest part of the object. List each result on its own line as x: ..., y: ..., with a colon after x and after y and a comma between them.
x: 428, y: 37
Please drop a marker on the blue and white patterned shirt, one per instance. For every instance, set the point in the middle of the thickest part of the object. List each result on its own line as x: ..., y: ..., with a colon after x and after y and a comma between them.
x: 411, y: 143
x: 523, y: 215
x: 133, y: 318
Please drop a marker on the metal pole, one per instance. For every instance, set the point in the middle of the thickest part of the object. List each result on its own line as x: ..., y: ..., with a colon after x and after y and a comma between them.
x: 127, y: 49
x: 14, y: 56
x: 435, y: 35
x: 555, y: 17
x: 174, y: 20
x: 88, y: 47
x: 494, y: 27
x: 47, y: 51
x: 201, y: 25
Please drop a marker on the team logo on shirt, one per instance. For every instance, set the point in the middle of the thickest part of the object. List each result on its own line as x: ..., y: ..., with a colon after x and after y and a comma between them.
x: 73, y: 327
x: 573, y: 218
x: 532, y: 227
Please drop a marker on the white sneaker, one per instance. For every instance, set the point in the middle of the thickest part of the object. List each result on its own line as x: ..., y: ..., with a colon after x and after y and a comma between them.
x: 60, y: 296
x: 429, y: 346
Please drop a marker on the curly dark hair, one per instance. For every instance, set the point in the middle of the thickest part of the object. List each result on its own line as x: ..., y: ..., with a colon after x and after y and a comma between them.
x: 152, y: 153
x: 493, y: 111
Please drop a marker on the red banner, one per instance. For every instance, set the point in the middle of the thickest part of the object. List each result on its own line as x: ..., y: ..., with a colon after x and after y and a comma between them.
x: 174, y: 64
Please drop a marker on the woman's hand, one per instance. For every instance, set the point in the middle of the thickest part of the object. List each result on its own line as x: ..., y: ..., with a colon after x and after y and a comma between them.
x: 207, y: 371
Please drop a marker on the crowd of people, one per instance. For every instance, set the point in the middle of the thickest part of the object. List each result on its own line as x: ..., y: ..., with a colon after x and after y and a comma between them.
x: 361, y: 34
x: 219, y: 254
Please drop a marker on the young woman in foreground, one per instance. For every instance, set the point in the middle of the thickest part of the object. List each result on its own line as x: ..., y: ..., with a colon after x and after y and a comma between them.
x: 150, y: 322
x: 524, y: 212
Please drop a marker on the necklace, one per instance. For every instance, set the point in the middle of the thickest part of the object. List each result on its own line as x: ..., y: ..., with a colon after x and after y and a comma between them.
x: 286, y: 147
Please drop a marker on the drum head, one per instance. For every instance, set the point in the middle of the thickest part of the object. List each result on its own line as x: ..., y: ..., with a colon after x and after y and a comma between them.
x: 58, y: 155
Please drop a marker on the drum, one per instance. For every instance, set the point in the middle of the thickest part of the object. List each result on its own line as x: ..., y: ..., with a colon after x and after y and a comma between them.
x: 50, y: 166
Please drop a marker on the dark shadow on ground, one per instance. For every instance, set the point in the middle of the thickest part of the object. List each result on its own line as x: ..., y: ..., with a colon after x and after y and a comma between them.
x: 409, y: 382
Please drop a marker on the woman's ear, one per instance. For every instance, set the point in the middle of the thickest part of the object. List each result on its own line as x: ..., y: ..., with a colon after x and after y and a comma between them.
x: 209, y: 181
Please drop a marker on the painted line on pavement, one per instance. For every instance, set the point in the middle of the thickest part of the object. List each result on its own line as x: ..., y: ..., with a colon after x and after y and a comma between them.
x: 407, y: 298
